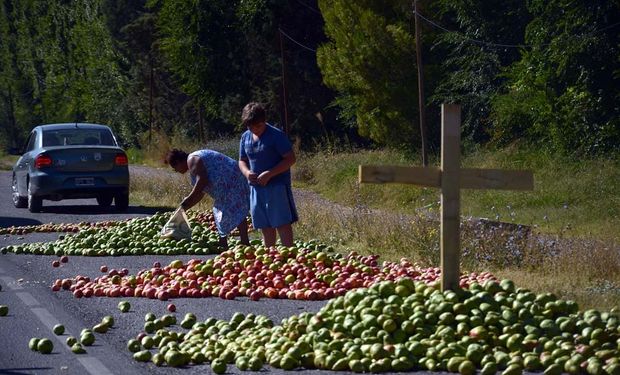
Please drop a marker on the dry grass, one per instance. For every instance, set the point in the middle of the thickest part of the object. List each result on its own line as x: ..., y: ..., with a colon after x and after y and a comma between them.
x: 7, y: 162
x: 358, y: 228
x: 582, y: 270
x: 161, y: 187
x: 570, y: 193
x: 153, y: 153
x: 588, y: 273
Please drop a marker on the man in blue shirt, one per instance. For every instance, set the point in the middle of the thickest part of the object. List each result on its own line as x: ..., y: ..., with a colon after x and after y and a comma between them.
x: 265, y: 159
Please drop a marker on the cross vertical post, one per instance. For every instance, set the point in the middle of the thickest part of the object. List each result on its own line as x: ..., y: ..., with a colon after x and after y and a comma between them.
x: 450, y: 195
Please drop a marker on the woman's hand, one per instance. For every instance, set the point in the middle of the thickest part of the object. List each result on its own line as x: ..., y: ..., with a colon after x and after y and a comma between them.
x: 263, y: 178
x: 252, y: 178
x: 244, y: 166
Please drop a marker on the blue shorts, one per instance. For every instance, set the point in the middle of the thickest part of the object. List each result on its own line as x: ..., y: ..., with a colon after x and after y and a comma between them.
x: 272, y: 206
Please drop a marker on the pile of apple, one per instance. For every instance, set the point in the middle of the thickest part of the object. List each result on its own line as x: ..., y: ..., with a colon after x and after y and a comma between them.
x: 407, y: 325
x: 52, y: 228
x: 302, y: 273
x: 204, y: 218
x: 136, y: 236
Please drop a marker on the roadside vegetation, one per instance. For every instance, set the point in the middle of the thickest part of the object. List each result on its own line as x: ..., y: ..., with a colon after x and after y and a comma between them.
x: 7, y: 161
x: 560, y: 238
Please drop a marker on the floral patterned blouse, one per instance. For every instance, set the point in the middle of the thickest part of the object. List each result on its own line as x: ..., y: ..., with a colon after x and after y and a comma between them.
x: 228, y: 188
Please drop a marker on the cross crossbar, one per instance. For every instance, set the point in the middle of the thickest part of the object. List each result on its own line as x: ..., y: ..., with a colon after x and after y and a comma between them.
x: 470, y: 178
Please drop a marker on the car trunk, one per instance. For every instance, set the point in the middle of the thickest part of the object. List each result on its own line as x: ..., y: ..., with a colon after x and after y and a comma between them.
x: 83, y: 158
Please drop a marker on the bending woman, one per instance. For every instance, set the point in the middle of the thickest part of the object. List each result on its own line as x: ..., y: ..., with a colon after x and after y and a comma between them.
x: 218, y: 176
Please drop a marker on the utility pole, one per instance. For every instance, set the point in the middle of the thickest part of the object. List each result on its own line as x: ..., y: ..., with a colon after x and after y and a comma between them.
x: 418, y: 50
x: 150, y: 99
x: 286, y: 130
x: 200, y: 123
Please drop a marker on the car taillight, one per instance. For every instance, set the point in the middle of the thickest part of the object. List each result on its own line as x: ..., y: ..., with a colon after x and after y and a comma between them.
x: 121, y: 160
x: 42, y: 161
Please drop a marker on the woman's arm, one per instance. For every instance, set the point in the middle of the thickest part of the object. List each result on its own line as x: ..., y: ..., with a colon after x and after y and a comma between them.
x: 285, y: 164
x: 244, y: 166
x: 197, y: 169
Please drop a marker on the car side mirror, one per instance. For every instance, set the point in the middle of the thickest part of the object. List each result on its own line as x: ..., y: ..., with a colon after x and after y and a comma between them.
x: 15, y: 151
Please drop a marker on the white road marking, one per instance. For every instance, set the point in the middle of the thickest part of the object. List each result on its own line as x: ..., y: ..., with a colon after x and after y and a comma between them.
x: 50, y: 321
x: 46, y: 317
x: 27, y: 298
x: 91, y: 364
x: 94, y: 366
x: 11, y: 283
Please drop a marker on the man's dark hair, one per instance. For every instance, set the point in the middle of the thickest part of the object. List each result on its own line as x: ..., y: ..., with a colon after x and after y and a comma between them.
x: 174, y: 156
x: 252, y: 113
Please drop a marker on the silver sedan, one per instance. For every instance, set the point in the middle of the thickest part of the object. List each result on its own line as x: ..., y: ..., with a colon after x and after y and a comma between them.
x: 68, y: 161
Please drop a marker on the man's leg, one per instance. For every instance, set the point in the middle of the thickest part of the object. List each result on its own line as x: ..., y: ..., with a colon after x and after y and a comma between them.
x: 243, y: 232
x: 269, y: 236
x: 286, y: 234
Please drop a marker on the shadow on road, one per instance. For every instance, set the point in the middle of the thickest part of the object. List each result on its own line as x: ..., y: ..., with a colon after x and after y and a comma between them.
x: 97, y: 210
x: 6, y: 222
x: 22, y: 371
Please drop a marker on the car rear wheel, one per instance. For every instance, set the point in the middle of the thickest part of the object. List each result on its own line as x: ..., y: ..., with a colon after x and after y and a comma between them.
x: 18, y: 200
x: 34, y: 203
x: 104, y: 200
x: 121, y: 201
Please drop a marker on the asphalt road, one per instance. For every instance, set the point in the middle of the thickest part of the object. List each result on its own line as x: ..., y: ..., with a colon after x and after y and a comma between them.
x: 34, y: 309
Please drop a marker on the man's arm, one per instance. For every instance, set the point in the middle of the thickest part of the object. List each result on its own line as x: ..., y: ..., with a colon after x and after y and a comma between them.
x: 196, y: 168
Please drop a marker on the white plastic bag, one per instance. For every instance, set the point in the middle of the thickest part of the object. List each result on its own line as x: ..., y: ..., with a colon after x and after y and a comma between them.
x: 178, y: 226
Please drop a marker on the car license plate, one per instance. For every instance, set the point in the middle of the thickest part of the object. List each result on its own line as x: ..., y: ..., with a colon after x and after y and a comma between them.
x: 84, y: 181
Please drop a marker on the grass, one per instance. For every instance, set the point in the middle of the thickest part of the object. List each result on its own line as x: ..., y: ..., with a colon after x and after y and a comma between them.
x: 163, y: 187
x: 584, y: 272
x: 153, y: 153
x: 7, y: 162
x: 575, y: 195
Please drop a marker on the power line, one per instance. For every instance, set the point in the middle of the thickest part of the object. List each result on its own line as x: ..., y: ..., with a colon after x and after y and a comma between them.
x: 477, y: 41
x: 296, y: 42
x: 467, y: 38
x: 502, y: 45
x: 309, y: 7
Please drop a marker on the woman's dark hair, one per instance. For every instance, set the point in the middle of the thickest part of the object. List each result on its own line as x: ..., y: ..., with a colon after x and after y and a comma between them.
x: 252, y: 113
x: 174, y: 156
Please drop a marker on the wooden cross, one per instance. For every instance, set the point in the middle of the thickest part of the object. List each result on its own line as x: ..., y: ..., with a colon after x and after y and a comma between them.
x: 450, y: 178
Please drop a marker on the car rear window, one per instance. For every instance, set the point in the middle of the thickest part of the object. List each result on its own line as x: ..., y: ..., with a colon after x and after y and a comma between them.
x: 78, y: 137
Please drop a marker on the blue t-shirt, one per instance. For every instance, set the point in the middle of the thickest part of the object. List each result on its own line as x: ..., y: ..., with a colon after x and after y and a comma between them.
x: 266, y: 152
